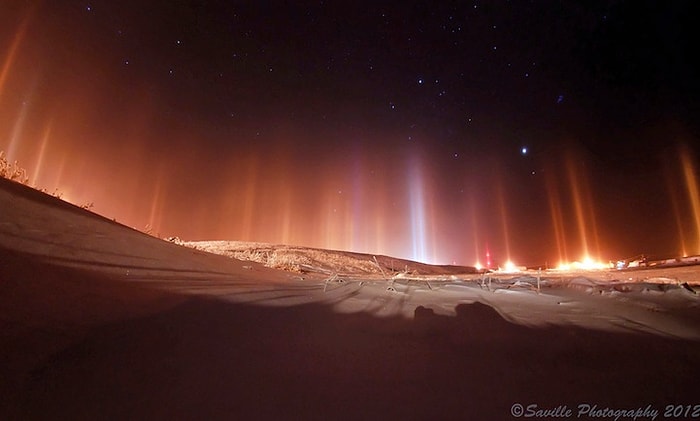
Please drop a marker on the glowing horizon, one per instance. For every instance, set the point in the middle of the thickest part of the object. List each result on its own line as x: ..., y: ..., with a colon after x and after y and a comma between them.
x: 342, y: 211
x: 112, y: 138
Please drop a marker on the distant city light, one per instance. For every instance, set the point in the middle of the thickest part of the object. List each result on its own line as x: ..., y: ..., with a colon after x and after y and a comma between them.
x: 509, y: 267
x: 585, y: 264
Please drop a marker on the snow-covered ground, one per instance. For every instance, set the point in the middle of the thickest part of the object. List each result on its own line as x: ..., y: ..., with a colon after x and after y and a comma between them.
x: 653, y: 301
x: 102, y: 321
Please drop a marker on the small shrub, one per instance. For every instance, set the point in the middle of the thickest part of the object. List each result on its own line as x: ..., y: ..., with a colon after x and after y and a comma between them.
x: 12, y: 171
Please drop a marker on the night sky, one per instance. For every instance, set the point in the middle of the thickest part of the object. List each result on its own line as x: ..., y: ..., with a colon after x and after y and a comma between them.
x: 536, y: 131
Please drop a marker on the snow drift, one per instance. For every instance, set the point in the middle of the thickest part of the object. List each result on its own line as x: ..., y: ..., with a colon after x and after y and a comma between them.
x: 101, y: 321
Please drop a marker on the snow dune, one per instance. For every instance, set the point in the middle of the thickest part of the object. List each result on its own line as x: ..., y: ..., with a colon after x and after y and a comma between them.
x: 381, y: 285
x: 101, y: 321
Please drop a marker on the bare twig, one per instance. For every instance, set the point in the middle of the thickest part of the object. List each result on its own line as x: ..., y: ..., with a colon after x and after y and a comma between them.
x: 381, y: 270
x: 332, y: 278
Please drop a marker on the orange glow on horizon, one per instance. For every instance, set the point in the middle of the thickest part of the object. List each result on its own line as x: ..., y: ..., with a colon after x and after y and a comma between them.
x: 257, y: 209
x: 113, y: 140
x: 586, y: 264
x: 509, y: 267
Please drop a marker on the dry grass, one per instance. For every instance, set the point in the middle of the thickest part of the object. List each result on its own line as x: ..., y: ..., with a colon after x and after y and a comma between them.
x: 291, y: 258
x: 331, y: 262
x: 12, y: 170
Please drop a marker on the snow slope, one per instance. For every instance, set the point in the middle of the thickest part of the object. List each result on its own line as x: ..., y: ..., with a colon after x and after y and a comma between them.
x: 101, y: 321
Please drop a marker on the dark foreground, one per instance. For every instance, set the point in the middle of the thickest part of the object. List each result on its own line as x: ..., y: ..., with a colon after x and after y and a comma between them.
x: 166, y: 356
x: 85, y: 341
